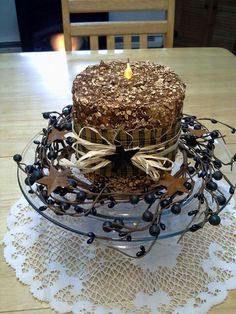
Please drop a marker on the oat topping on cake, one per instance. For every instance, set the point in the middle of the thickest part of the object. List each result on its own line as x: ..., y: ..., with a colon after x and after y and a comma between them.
x: 104, y: 98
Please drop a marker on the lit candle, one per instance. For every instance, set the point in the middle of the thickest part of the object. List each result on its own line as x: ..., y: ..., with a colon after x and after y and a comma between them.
x: 128, y: 71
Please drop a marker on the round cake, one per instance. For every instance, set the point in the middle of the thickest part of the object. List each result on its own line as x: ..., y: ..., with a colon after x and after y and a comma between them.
x: 134, y: 111
x: 104, y: 98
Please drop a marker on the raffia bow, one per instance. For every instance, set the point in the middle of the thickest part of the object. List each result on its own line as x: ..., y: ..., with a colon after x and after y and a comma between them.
x: 149, y: 159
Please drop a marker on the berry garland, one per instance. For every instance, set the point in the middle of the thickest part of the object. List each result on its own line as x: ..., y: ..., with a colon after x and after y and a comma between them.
x: 67, y: 194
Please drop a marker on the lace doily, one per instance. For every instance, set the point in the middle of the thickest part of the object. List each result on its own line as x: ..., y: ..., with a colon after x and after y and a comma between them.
x: 61, y: 269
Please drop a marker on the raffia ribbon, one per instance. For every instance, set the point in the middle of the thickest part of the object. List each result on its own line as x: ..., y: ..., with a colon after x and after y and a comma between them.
x: 149, y: 159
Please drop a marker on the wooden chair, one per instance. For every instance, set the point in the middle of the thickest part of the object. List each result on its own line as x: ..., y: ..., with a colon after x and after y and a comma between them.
x: 111, y: 29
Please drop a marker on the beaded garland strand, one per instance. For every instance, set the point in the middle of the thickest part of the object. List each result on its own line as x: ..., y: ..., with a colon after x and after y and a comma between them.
x: 199, y: 161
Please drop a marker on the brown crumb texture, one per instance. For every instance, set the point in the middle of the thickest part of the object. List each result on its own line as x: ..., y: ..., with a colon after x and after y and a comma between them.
x: 123, y: 183
x: 104, y: 98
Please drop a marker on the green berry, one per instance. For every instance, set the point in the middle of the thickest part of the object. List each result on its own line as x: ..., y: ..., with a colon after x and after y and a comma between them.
x: 118, y: 223
x: 17, y: 158
x: 46, y: 115
x: 107, y: 226
x: 81, y: 196
x: 147, y: 216
x: 176, y: 209
x: 149, y: 198
x: 134, y: 199
x: 154, y: 230
x: 221, y: 199
x: 214, y: 220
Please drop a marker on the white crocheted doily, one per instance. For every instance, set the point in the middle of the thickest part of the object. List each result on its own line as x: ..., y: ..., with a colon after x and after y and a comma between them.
x: 61, y: 269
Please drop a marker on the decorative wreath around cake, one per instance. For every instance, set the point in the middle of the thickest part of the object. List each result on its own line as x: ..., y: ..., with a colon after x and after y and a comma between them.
x: 117, y: 145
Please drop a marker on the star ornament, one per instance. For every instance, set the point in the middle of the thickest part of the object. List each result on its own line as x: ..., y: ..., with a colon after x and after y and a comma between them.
x: 55, y: 179
x: 55, y: 134
x: 121, y: 157
x: 173, y: 184
x: 67, y: 153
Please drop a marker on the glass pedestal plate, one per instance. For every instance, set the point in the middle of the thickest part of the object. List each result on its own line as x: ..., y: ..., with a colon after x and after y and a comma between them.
x: 131, y: 214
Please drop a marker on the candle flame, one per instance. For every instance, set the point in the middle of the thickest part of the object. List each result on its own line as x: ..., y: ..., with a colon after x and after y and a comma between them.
x: 128, y: 72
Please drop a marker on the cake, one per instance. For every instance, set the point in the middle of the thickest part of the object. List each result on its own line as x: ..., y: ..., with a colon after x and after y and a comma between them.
x: 143, y: 110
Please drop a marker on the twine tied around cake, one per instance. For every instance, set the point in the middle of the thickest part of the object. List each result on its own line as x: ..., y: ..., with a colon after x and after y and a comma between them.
x: 149, y: 159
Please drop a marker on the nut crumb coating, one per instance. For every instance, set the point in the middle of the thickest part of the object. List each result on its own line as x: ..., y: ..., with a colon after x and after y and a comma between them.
x: 104, y: 98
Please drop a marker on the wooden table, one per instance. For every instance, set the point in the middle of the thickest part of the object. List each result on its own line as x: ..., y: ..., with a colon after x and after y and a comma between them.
x: 31, y: 83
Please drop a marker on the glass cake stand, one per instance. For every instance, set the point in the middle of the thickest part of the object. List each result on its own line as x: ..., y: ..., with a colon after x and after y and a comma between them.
x: 131, y: 214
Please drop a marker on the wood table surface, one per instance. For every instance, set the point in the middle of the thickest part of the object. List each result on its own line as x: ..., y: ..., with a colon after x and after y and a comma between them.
x: 32, y: 83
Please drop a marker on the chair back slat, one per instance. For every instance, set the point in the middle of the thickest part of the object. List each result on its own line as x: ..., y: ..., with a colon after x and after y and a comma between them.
x: 143, y: 43
x: 168, y: 39
x: 86, y: 6
x: 126, y: 42
x: 66, y: 25
x: 118, y: 28
x: 93, y: 41
x: 110, y: 29
x: 110, y: 42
